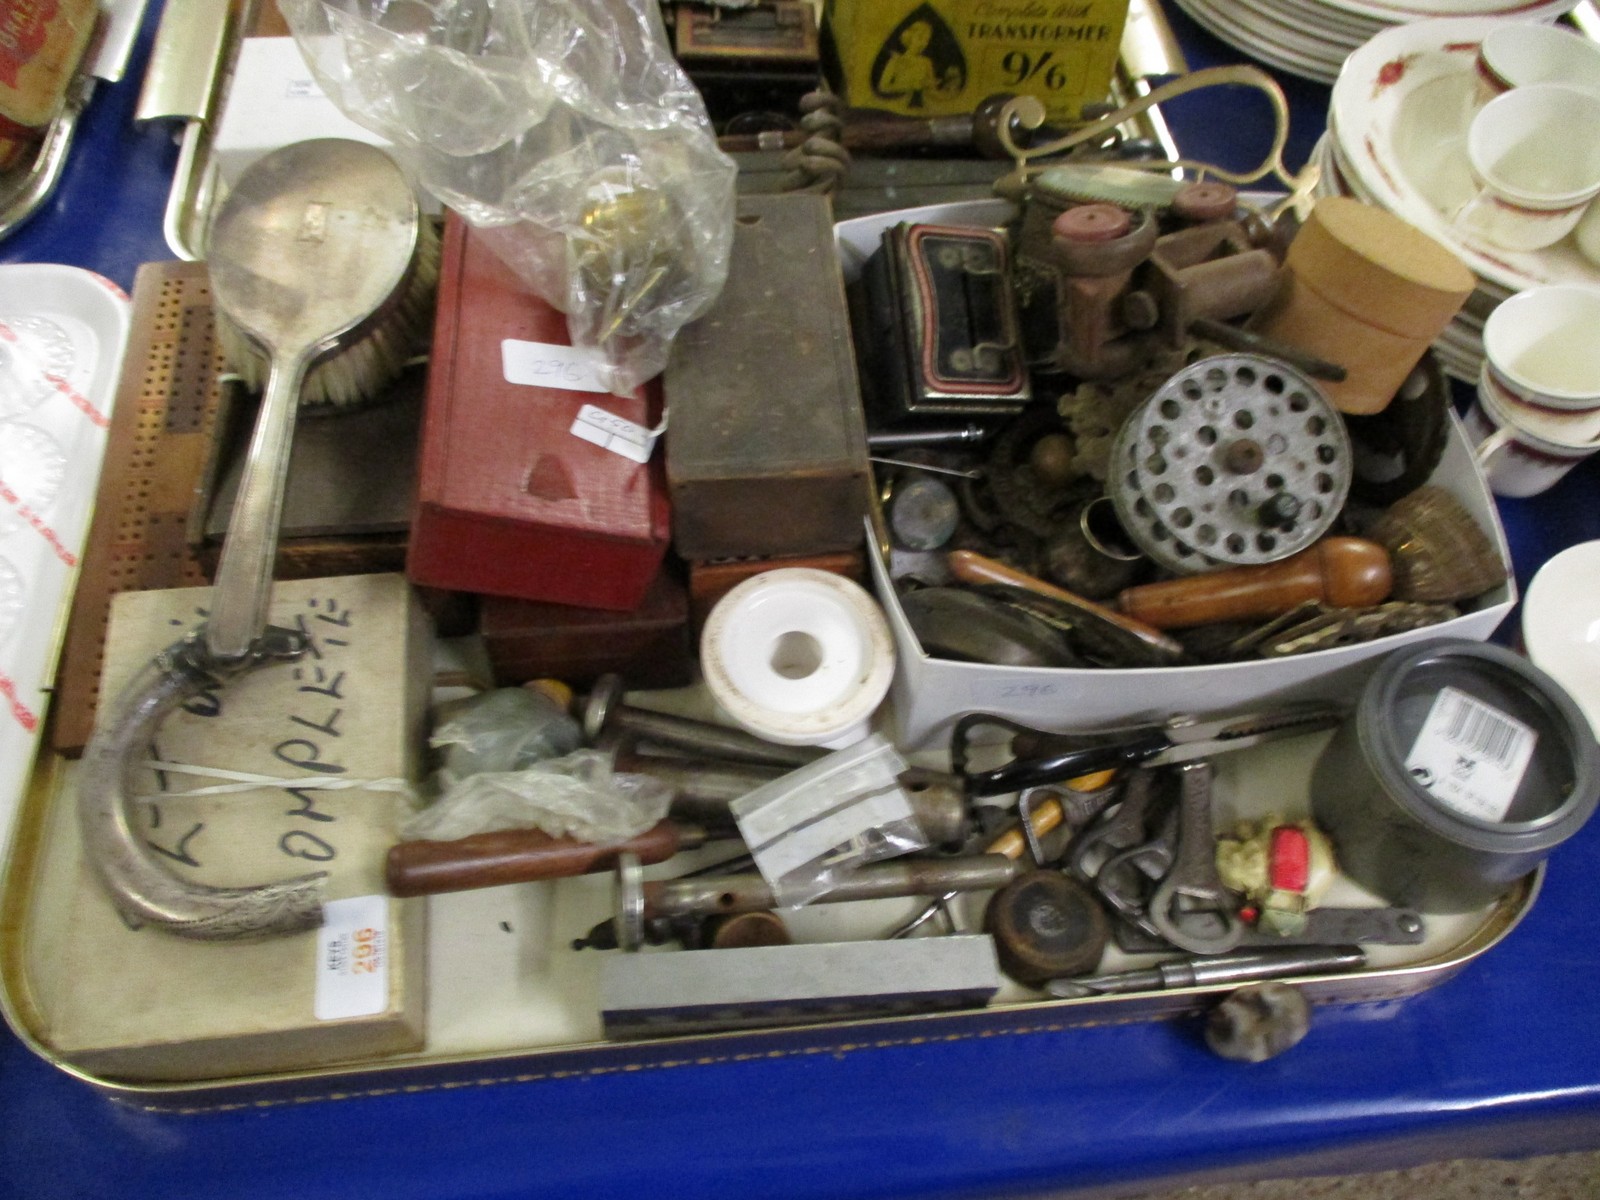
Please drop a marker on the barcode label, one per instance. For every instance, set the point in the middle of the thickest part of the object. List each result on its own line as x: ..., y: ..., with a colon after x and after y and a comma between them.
x: 1480, y: 728
x: 1470, y: 755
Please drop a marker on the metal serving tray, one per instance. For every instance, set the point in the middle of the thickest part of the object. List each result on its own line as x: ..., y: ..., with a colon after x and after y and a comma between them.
x: 509, y: 1001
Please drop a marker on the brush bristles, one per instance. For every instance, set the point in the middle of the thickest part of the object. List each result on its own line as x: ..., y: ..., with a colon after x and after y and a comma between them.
x: 1438, y: 552
x: 360, y: 372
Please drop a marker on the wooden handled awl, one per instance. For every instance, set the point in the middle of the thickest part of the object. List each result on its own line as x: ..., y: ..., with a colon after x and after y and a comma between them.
x: 1343, y: 572
x: 521, y: 855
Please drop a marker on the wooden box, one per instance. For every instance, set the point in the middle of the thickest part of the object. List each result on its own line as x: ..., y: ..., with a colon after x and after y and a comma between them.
x: 767, y: 449
x: 711, y: 581
x: 649, y: 647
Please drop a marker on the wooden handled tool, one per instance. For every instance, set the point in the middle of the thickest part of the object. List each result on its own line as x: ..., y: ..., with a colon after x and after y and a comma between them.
x: 521, y: 855
x: 1344, y: 572
x: 969, y: 567
x: 1048, y: 816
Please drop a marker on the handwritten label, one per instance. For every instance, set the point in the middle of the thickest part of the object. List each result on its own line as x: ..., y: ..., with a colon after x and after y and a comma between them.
x: 318, y: 700
x: 616, y: 434
x: 539, y: 364
x: 352, y: 959
x: 1018, y: 696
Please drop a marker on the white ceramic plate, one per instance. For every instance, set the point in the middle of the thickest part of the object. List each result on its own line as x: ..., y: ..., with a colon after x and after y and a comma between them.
x: 1320, y: 14
x: 1561, y: 624
x: 1397, y: 11
x: 63, y: 331
x: 1271, y: 22
x: 1400, y: 111
x: 1226, y: 24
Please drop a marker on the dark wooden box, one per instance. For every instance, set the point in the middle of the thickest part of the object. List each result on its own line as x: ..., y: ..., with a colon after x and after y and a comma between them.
x: 766, y: 442
x: 711, y: 581
x: 650, y: 647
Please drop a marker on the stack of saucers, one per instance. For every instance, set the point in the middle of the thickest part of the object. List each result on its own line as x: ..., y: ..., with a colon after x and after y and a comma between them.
x: 1397, y: 129
x: 1311, y: 38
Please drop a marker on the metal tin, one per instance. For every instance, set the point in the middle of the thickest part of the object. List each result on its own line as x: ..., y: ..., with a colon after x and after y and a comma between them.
x: 936, y: 326
x: 1437, y: 850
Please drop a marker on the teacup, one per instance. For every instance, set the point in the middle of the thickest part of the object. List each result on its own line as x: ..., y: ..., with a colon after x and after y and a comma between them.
x: 1586, y: 233
x: 1521, y: 449
x: 1535, y: 154
x: 1518, y: 53
x: 1543, y: 347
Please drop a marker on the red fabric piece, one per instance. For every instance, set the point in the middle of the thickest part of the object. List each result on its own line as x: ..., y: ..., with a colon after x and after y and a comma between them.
x: 1289, y: 859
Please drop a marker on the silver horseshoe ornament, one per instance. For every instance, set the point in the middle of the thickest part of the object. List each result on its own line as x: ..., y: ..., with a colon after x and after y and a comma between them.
x: 143, y: 890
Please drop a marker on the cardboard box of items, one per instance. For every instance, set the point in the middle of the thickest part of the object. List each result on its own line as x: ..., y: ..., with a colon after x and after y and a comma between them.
x: 929, y: 694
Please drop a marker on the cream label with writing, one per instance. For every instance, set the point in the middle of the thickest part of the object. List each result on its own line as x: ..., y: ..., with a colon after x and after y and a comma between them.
x: 540, y: 364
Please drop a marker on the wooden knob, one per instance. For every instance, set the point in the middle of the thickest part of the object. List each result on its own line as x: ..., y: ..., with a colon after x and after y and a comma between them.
x: 1343, y: 572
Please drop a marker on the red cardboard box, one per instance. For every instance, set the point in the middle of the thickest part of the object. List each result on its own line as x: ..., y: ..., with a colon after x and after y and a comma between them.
x: 510, y: 502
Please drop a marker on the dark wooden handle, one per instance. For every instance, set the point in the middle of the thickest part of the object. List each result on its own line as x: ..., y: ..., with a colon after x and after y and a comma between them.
x: 1343, y: 572
x: 512, y: 856
x: 970, y: 567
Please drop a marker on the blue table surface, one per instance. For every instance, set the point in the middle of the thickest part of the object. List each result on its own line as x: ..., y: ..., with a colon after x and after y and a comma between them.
x: 1501, y: 1060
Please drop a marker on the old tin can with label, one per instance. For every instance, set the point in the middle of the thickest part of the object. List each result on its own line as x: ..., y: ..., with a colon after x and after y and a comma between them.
x: 41, y: 43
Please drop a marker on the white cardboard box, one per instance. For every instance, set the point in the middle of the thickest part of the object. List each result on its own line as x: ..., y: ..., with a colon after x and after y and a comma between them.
x: 273, y: 101
x: 141, y: 1003
x: 929, y: 694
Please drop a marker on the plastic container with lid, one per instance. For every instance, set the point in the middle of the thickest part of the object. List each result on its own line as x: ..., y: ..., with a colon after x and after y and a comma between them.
x: 1461, y: 767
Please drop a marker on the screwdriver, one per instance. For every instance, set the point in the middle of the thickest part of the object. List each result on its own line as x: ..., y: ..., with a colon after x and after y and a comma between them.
x: 502, y: 856
x: 1242, y: 966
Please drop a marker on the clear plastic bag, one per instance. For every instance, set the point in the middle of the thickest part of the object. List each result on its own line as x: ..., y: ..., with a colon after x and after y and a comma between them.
x: 562, y: 128
x: 507, y: 729
x: 576, y: 796
x: 809, y: 829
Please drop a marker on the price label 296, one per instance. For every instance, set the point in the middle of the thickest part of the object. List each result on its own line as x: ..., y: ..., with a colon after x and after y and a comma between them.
x: 353, y: 959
